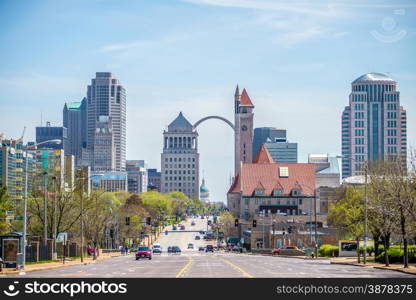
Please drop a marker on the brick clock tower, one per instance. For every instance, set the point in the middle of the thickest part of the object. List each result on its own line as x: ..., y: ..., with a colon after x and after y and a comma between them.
x: 243, y: 134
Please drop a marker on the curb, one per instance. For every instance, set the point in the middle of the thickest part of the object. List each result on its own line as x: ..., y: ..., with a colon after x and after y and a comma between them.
x: 14, y: 272
x: 374, y: 267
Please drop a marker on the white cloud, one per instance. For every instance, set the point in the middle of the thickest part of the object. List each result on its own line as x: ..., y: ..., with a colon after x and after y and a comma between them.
x: 321, y: 8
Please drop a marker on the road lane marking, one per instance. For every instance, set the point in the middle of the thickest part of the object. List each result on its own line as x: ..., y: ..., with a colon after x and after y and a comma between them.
x: 185, y: 268
x: 235, y: 267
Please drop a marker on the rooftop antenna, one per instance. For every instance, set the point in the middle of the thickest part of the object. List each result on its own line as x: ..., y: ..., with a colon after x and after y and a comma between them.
x: 41, y: 121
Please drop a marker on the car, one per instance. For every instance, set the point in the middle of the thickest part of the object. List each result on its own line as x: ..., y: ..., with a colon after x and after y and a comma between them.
x: 197, y: 238
x: 201, y: 249
x: 202, y: 217
x: 237, y: 248
x: 209, y: 222
x: 143, y: 252
x: 209, y: 248
x: 174, y: 227
x: 157, y: 249
x: 182, y: 227
x: 170, y: 249
x: 278, y: 250
x: 190, y: 246
x: 202, y: 232
x: 192, y: 223
x: 176, y: 249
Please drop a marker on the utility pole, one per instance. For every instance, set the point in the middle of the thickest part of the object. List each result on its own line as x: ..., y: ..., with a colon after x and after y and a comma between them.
x: 316, y: 233
x: 45, y: 208
x: 55, y: 253
x: 365, y: 215
x: 82, y: 219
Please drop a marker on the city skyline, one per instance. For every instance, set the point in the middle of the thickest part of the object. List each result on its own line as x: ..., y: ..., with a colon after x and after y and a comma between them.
x: 195, y: 75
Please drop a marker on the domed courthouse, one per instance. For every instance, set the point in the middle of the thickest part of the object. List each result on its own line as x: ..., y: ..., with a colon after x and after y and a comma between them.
x: 204, y: 192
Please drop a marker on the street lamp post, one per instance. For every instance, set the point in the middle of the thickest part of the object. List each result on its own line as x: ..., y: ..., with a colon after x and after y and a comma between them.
x: 24, y: 239
x: 45, y: 209
x: 55, y: 253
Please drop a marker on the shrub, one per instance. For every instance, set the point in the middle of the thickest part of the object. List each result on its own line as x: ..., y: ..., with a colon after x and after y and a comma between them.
x: 328, y: 250
x: 396, y: 254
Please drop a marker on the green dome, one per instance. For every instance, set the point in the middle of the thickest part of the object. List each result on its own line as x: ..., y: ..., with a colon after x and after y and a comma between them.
x: 203, y: 188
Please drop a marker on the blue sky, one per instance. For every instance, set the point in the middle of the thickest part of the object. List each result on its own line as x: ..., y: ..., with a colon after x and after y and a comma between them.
x: 295, y: 58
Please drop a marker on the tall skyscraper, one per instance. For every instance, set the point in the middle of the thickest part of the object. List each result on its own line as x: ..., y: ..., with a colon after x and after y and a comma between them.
x: 104, y: 150
x: 48, y: 132
x: 180, y: 158
x: 243, y: 133
x: 75, y: 121
x: 373, y: 124
x: 276, y: 143
x: 107, y: 97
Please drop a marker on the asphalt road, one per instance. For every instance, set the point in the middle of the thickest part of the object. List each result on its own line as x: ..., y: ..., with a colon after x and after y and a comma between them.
x: 192, y: 263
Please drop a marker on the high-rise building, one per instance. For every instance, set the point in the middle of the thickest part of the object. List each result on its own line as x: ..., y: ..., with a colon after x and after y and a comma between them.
x: 104, y: 150
x: 243, y: 129
x: 276, y: 143
x: 180, y: 158
x: 75, y: 121
x: 12, y: 168
x: 136, y: 176
x: 48, y: 132
x: 267, y: 134
x: 107, y: 97
x: 154, y: 178
x: 373, y: 124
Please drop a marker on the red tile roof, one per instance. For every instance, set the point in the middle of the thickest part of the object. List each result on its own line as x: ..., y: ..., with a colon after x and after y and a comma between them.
x: 263, y: 156
x: 301, y: 174
x: 245, y: 99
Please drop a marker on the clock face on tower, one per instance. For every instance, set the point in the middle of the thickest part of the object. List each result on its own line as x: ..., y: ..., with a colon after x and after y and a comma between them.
x: 244, y: 128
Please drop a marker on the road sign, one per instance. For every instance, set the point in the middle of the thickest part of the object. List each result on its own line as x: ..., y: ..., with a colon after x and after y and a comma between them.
x: 18, y: 218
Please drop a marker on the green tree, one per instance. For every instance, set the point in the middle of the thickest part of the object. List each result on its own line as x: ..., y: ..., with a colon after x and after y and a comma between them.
x: 347, y: 215
x: 5, y: 205
x: 226, y: 224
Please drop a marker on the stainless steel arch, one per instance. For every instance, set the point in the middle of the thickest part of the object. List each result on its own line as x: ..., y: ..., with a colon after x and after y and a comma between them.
x: 214, y: 117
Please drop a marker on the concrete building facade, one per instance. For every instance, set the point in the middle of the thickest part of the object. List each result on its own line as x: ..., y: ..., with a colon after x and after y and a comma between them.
x: 180, y: 158
x: 106, y: 96
x: 104, y: 151
x: 136, y: 176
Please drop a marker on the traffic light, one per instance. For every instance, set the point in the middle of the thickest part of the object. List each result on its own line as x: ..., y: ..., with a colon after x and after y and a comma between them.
x: 289, y: 230
x: 236, y: 222
x: 127, y: 221
x: 254, y: 223
x: 283, y: 231
x: 148, y: 220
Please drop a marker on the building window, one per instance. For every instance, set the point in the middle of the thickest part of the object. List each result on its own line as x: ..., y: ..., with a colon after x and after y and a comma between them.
x: 259, y: 192
x: 277, y: 192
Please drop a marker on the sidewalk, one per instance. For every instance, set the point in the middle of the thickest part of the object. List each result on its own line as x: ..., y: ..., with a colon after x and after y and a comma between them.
x: 393, y: 267
x: 59, y: 264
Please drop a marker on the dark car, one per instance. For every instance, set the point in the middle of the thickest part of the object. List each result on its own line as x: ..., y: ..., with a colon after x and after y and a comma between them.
x: 201, y: 249
x: 192, y: 223
x: 176, y: 249
x: 143, y: 252
x: 197, y: 237
x: 182, y: 227
x: 170, y: 249
x: 209, y: 248
x: 174, y: 227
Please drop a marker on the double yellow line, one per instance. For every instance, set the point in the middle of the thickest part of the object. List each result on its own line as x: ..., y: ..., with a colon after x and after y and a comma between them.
x: 185, y: 268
